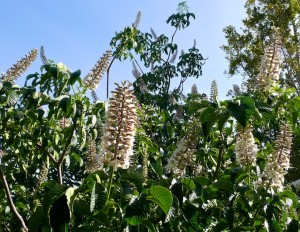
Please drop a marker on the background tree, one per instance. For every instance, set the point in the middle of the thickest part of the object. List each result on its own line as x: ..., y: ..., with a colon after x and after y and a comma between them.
x: 245, y: 47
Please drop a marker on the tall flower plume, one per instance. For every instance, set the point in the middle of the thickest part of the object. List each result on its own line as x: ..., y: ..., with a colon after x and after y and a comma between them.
x: 245, y: 147
x: 137, y: 19
x: 270, y: 65
x: 43, y: 56
x: 92, y: 164
x: 194, y: 89
x: 214, y: 91
x: 279, y: 161
x: 119, y: 129
x: 183, y: 155
x: 20, y: 67
x: 93, y: 78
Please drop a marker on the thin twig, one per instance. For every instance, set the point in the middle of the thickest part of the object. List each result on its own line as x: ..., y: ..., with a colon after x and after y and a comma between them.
x: 48, y: 154
x: 10, y: 201
x: 107, y: 76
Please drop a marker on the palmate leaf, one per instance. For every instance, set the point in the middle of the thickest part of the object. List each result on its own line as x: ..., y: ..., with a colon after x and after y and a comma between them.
x: 98, y: 197
x: 162, y: 197
x: 243, y: 110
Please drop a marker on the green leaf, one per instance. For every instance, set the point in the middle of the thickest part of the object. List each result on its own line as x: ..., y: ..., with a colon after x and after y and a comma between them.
x: 293, y: 226
x: 243, y: 110
x: 189, y: 183
x: 208, y: 118
x: 224, y: 183
x: 56, y: 191
x: 274, y: 226
x: 74, y: 77
x: 98, y: 197
x: 162, y: 197
x: 63, y: 102
x: 149, y: 225
x: 223, y: 116
x: 136, y: 211
x: 291, y: 195
x: 265, y: 110
x: 59, y: 213
x: 37, y: 219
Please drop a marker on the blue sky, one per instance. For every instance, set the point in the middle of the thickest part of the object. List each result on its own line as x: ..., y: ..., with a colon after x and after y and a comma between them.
x: 78, y: 32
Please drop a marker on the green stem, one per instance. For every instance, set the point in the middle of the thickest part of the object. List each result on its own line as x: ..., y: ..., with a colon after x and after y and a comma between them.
x: 111, y: 174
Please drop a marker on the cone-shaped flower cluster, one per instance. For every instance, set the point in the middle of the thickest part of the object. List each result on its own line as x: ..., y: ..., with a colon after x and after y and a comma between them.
x: 135, y: 72
x: 43, y: 175
x: 137, y: 19
x: 194, y: 89
x: 91, y: 164
x: 94, y: 96
x: 183, y: 155
x: 270, y: 65
x: 43, y: 56
x: 245, y: 147
x: 93, y: 78
x: 20, y: 67
x: 119, y: 128
x: 279, y: 161
x: 214, y: 91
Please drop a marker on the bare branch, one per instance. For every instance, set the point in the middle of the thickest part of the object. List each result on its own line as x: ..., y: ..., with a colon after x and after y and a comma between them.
x: 10, y: 201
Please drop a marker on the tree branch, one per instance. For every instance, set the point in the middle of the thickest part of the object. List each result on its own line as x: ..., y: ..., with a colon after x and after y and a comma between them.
x: 48, y: 154
x: 10, y: 201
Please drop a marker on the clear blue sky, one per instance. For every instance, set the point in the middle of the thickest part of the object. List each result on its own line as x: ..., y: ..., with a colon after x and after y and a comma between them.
x: 77, y: 33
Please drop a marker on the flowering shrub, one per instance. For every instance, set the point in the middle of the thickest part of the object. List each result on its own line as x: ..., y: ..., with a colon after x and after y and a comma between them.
x: 149, y: 158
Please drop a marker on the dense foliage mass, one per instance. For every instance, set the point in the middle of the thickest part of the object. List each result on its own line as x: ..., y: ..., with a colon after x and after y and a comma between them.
x: 149, y: 158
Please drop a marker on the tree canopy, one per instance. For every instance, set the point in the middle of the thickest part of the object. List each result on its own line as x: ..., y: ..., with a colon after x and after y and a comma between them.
x: 150, y: 158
